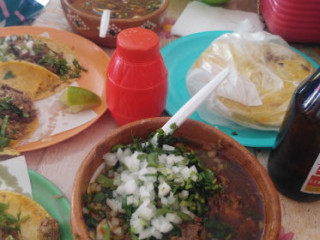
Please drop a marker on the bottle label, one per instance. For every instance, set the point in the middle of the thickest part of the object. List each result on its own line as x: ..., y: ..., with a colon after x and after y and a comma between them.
x: 312, y: 183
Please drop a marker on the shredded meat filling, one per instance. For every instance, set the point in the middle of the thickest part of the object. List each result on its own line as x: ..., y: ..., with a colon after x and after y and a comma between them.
x: 6, y: 235
x: 50, y: 229
x: 20, y: 110
x: 190, y: 230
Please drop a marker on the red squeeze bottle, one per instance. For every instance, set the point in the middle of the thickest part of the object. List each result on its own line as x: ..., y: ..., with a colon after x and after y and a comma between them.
x: 137, y: 78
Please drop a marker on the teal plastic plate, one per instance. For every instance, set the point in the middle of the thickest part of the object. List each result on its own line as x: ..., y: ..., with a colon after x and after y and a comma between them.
x: 179, y: 56
x: 51, y: 198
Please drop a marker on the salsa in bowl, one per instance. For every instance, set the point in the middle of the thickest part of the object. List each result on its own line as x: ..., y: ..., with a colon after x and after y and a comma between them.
x: 126, y: 9
x: 84, y: 17
x: 197, y: 184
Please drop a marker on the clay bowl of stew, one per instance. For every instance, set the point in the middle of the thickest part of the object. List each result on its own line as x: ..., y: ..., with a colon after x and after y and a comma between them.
x: 84, y: 18
x: 245, y: 206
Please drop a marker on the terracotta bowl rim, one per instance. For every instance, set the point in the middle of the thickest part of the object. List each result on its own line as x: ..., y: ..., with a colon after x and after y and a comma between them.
x: 115, y: 21
x: 269, y: 194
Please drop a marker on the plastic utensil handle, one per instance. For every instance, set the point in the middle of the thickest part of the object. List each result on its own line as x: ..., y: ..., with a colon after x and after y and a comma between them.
x: 188, y: 108
x: 104, y: 23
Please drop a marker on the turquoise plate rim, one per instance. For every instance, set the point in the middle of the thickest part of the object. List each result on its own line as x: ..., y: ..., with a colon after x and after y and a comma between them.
x: 53, y: 200
x: 179, y: 56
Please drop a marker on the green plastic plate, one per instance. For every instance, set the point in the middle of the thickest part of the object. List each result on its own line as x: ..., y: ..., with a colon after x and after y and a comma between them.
x: 179, y: 56
x: 52, y: 199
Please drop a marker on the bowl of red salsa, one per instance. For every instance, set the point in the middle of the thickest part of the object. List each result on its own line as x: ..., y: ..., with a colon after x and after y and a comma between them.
x: 196, y: 183
x: 84, y: 16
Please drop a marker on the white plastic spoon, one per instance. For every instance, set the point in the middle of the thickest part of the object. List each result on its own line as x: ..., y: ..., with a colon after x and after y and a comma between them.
x: 104, y: 23
x: 189, y: 107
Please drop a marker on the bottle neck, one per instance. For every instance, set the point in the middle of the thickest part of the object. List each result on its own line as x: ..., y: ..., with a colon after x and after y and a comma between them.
x: 308, y: 94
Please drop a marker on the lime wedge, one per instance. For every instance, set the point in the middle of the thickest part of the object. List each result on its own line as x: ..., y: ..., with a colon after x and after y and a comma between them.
x: 78, y: 99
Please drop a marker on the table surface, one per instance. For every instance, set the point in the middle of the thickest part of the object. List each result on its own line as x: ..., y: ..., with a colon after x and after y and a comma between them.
x: 59, y: 163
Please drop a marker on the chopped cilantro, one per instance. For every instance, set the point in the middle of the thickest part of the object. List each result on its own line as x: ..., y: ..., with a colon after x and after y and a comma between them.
x: 7, y: 105
x: 105, y: 181
x: 4, y: 141
x: 9, y: 222
x: 219, y: 229
x: 98, y: 197
x: 107, y: 232
x: 129, y: 209
x: 8, y: 75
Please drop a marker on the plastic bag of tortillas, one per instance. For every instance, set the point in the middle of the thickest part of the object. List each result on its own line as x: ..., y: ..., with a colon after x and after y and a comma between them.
x: 265, y: 72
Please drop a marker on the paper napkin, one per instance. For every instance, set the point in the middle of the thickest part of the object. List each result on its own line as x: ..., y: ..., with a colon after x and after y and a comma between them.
x: 53, y: 119
x: 14, y: 176
x: 200, y: 17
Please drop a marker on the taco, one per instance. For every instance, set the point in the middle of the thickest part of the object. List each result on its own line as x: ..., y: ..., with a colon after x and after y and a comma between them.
x: 35, y: 81
x: 23, y: 218
x: 18, y: 118
x: 37, y: 60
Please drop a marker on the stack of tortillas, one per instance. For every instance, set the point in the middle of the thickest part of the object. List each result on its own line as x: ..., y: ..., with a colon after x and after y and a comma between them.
x: 264, y: 77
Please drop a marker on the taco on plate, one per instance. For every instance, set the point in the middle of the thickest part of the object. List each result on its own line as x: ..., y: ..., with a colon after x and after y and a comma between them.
x: 25, y: 219
x: 46, y: 65
x: 35, y: 81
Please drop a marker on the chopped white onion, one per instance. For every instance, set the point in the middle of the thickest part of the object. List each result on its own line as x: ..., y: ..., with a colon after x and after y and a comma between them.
x: 164, y: 189
x: 110, y: 159
x: 135, y: 181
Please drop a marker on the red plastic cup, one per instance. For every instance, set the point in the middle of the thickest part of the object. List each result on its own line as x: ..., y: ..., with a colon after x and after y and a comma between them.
x: 137, y: 78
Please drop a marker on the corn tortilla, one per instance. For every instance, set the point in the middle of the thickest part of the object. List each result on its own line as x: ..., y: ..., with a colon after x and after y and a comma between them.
x: 35, y: 81
x: 19, y: 203
x: 264, y: 65
x: 37, y: 65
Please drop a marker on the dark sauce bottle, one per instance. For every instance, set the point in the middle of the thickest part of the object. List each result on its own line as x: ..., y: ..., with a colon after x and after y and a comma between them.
x: 294, y: 162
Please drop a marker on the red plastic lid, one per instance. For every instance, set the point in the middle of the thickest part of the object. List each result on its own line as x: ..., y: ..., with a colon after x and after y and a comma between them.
x: 137, y: 44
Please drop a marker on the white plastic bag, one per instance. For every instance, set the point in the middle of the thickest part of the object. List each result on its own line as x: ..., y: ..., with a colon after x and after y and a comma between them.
x: 265, y: 73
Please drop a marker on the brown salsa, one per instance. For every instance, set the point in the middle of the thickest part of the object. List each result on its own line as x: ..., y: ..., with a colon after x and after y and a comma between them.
x: 237, y: 213
x: 120, y: 9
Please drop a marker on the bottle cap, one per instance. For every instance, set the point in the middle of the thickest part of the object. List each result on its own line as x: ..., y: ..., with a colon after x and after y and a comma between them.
x: 137, y: 44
